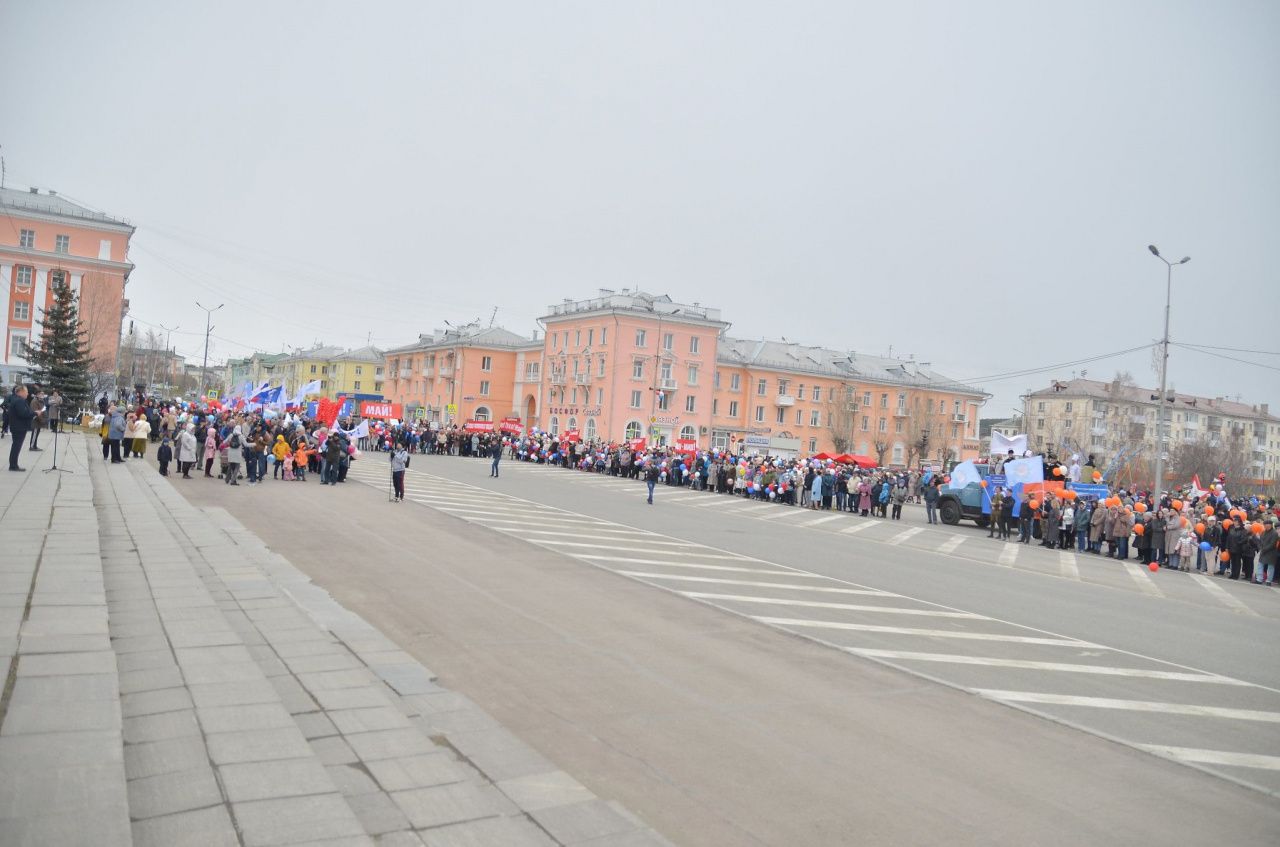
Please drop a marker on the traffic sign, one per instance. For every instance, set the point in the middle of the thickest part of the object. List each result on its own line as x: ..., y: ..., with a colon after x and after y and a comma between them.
x: 452, y: 409
x: 213, y: 394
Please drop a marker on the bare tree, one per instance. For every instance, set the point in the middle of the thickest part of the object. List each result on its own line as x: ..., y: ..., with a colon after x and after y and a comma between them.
x: 1208, y: 457
x: 842, y: 417
x: 881, y: 446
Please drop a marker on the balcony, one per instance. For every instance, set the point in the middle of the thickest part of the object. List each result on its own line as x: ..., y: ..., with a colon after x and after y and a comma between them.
x: 1098, y: 431
x: 582, y: 379
x: 406, y: 373
x: 557, y: 378
x: 852, y: 407
x: 901, y: 412
x: 667, y: 384
x: 446, y: 370
x: 784, y: 400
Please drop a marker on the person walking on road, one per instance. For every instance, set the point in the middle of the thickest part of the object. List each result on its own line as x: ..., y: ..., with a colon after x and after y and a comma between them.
x: 115, y: 433
x: 495, y: 450
x: 399, y: 462
x: 929, y: 493
x: 651, y: 477
x: 20, y: 416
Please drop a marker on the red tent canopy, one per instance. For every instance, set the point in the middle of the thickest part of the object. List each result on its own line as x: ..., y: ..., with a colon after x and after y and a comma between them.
x: 860, y: 461
x: 823, y: 457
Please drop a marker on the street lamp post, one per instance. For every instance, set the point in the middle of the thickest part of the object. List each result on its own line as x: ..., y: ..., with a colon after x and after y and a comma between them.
x: 169, y: 366
x: 208, y: 328
x: 657, y: 365
x: 1164, y: 365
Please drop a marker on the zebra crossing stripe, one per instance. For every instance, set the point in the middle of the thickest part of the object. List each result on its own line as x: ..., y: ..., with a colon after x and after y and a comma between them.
x: 1143, y: 579
x: 1008, y: 555
x: 950, y: 545
x: 858, y: 527
x: 905, y: 534
x: 1028, y: 664
x: 1215, y: 757
x: 1223, y: 595
x: 873, y: 592
x: 928, y: 633
x: 1067, y: 562
x: 1129, y: 705
x: 816, y: 604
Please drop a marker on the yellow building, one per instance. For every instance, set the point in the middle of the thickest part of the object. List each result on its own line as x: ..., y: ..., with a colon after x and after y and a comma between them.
x: 353, y: 373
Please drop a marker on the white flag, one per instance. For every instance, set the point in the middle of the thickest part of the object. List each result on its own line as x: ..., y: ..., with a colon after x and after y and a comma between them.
x: 1002, y: 444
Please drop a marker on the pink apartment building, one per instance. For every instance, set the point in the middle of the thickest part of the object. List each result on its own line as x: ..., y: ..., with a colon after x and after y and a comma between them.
x: 628, y: 365
x: 48, y: 242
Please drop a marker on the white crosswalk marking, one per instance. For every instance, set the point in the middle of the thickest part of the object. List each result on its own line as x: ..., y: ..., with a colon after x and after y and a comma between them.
x: 558, y: 543
x: 858, y: 527
x: 1215, y: 757
x: 746, y: 582
x: 542, y: 519
x: 756, y: 508
x: 821, y: 520
x: 1027, y: 664
x: 929, y: 633
x: 1008, y: 555
x: 718, y: 500
x: 905, y: 534
x: 1143, y: 579
x: 950, y: 545
x: 781, y: 512
x: 696, y: 565
x: 1067, y: 563
x: 815, y: 604
x: 1129, y: 705
x: 1226, y: 597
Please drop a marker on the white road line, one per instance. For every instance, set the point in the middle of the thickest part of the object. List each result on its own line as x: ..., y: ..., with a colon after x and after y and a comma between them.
x: 815, y: 604
x: 756, y: 508
x: 858, y: 527
x: 493, y: 510
x: 506, y: 518
x: 932, y: 633
x: 952, y: 543
x: 826, y: 519
x: 1008, y: 555
x: 1067, y: 562
x: 558, y: 543
x: 872, y: 592
x: 714, y: 500
x: 1129, y: 705
x: 788, y: 512
x: 1226, y: 597
x: 697, y: 565
x: 1066, y: 667
x: 905, y: 534
x: 1143, y: 579
x: 583, y: 535
x: 1215, y: 757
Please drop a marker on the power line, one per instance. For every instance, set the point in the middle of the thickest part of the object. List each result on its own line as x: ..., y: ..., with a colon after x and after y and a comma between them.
x: 1230, y: 349
x: 1032, y: 371
x: 1228, y: 358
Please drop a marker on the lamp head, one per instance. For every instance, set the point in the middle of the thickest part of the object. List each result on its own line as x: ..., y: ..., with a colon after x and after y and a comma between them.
x: 1184, y: 260
x: 1154, y: 251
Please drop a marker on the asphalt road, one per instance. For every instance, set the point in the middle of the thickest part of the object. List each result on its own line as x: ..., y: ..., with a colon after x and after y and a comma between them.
x: 762, y: 675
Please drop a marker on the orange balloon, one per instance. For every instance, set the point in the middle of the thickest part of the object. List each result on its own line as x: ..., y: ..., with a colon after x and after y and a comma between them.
x: 983, y: 483
x: 1185, y: 522
x: 1177, y: 505
x: 1097, y: 476
x: 1153, y: 567
x: 1226, y: 557
x: 1034, y: 504
x: 1226, y: 524
x: 1139, y: 507
x: 1199, y: 529
x: 1237, y: 514
x: 1057, y: 471
x: 1069, y: 495
x: 1257, y: 529
x: 1139, y: 529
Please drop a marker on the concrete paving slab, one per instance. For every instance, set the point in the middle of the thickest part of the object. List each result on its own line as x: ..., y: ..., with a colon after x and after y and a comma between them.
x: 580, y: 822
x: 421, y: 771
x: 544, y: 790
x: 209, y: 827
x: 180, y: 791
x: 293, y: 820
x: 272, y: 780
x: 509, y: 832
x: 172, y: 755
x: 259, y: 745
x: 452, y: 803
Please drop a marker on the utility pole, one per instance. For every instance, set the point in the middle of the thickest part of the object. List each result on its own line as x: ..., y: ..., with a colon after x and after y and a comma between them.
x: 208, y: 328
x: 1164, y: 367
x: 657, y: 366
x: 169, y: 366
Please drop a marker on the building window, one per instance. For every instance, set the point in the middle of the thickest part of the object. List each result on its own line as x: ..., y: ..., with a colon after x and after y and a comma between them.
x: 688, y: 433
x: 635, y: 399
x: 1040, y: 406
x: 1069, y: 412
x: 762, y: 388
x: 800, y: 392
x: 313, y: 368
x: 665, y: 371
x: 591, y: 429
x: 715, y: 407
x: 866, y: 399
x: 604, y: 335
x: 817, y: 394
x: 693, y: 374
x: 22, y: 278
x: 1040, y: 424
x: 574, y: 395
x: 634, y: 430
x: 897, y: 426
x: 555, y: 341
x: 735, y: 382
x: 591, y: 339
x: 664, y: 401
x: 733, y: 408
x: 1067, y: 425
x: 759, y: 414
x: 17, y: 344
x: 694, y: 342
x: 668, y: 341
x: 813, y: 445
x: 866, y: 423
x: 554, y: 425
x: 573, y: 423
x: 27, y: 239
x: 484, y: 388
x: 883, y: 425
x: 62, y: 244
x: 715, y: 378
x: 599, y: 396
x: 884, y: 401
x: 577, y: 338
x: 357, y: 385
x: 486, y: 363
x: 377, y: 387
x: 21, y: 310
x: 814, y: 418
x: 601, y: 369
x: 799, y: 417
x: 897, y: 454
x: 781, y: 416
x: 637, y: 369
x: 641, y: 337
x: 690, y: 403
x: 783, y: 385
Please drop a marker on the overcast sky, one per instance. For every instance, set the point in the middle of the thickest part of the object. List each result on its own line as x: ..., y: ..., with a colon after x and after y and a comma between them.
x: 971, y: 183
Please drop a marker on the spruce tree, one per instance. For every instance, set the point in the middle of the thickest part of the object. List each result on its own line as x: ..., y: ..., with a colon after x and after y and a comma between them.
x: 61, y: 360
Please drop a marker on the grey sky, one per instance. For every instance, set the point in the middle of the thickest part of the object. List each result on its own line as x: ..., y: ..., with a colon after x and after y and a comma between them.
x: 849, y: 174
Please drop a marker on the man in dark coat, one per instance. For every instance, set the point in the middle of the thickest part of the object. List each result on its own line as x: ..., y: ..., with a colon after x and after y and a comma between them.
x: 20, y: 417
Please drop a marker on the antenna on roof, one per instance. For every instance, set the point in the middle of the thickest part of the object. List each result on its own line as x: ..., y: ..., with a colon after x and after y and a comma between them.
x: 493, y: 317
x: 2, y: 170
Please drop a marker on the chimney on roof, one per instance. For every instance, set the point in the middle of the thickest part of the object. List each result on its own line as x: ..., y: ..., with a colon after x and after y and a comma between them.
x: 35, y: 190
x: 52, y: 193
x: 1265, y: 409
x: 535, y: 335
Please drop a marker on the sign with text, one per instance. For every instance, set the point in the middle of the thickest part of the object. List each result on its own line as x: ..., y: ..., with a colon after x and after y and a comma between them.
x: 478, y: 426
x: 511, y: 426
x: 572, y: 436
x: 374, y: 409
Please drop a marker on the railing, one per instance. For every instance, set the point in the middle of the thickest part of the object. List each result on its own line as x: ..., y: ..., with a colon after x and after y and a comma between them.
x: 959, y: 417
x: 667, y: 384
x: 582, y: 379
x: 557, y: 379
x: 784, y: 400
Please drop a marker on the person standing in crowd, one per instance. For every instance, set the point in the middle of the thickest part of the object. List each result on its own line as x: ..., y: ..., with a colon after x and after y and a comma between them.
x: 187, y: 451
x: 37, y: 422
x: 1172, y: 538
x: 18, y: 413
x: 141, y: 431
x: 899, y: 496
x: 53, y: 410
x: 1066, y: 525
x: 930, y: 493
x: 164, y: 455
x: 210, y: 443
x: 235, y: 448
x: 496, y: 452
x: 399, y: 462
x: 1268, y: 553
x: 1006, y: 515
x: 279, y: 450
x: 115, y: 434
x: 1025, y: 519
x: 651, y: 473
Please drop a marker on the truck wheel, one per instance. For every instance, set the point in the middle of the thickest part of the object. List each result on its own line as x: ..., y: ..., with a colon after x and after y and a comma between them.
x: 950, y: 511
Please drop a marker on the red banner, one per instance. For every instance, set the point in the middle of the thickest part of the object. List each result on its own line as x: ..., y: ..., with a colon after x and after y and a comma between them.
x: 638, y: 444
x: 478, y: 426
x: 572, y: 436
x: 512, y: 426
x: 686, y: 445
x: 375, y: 409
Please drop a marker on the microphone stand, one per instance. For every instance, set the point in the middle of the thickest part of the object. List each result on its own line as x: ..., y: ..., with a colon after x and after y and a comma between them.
x: 54, y: 467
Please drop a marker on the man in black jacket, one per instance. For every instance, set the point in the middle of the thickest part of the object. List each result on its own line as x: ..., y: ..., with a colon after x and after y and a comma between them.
x: 20, y: 417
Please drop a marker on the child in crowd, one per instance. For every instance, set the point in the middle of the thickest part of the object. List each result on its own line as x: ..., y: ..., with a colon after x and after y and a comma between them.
x: 224, y: 460
x: 287, y: 465
x: 164, y: 456
x: 300, y: 459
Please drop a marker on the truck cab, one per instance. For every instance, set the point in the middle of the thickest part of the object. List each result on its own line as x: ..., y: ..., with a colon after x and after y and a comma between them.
x: 957, y: 504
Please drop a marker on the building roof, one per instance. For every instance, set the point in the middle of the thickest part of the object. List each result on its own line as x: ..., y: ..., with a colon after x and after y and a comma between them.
x: 472, y: 335
x: 320, y: 353
x: 836, y: 364
x: 635, y: 301
x: 368, y: 353
x: 52, y: 203
x: 1093, y: 388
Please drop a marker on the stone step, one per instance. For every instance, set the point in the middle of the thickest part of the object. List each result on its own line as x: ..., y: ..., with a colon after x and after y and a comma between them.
x: 62, y: 775
x: 412, y: 758
x: 212, y: 754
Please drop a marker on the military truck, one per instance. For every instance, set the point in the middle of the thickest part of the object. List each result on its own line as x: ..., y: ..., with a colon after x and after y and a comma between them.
x: 957, y: 504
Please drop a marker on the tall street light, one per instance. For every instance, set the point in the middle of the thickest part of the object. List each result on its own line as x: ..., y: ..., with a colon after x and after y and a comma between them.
x: 208, y: 328
x: 657, y: 367
x: 1164, y: 366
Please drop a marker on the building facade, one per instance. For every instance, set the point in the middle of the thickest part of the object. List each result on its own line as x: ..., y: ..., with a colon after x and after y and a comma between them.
x: 53, y: 242
x: 630, y: 365
x: 352, y: 373
x: 249, y: 370
x: 1116, y: 421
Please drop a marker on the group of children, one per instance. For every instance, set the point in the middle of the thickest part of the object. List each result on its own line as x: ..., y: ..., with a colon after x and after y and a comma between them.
x: 289, y: 462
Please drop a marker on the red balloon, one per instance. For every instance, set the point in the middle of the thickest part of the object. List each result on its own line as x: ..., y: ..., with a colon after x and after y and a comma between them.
x: 1153, y: 567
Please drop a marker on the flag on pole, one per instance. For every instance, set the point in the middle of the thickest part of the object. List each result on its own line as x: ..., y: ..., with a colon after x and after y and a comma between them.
x: 311, y: 387
x: 256, y: 395
x: 963, y: 474
x: 1023, y: 470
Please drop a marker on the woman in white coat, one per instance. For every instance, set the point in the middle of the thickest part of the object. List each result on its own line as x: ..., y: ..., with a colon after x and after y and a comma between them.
x: 186, y: 451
